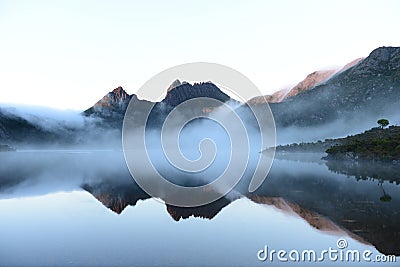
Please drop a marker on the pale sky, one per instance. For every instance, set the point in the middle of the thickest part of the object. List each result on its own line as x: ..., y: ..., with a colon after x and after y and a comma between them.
x: 68, y: 54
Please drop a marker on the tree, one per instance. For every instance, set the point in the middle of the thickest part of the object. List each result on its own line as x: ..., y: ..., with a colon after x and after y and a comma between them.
x: 383, y: 123
x: 385, y: 197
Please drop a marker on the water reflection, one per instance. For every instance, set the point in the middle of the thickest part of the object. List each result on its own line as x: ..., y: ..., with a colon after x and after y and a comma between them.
x: 365, y: 209
x: 354, y: 205
x: 364, y: 170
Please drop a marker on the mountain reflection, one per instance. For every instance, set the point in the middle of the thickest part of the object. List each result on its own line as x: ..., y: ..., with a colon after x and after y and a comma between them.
x: 117, y: 194
x: 326, y: 203
x: 116, y: 197
x: 367, y: 209
x: 208, y: 211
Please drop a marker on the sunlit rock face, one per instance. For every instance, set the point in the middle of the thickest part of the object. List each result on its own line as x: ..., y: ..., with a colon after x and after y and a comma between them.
x: 116, y: 97
x: 115, y: 101
x: 313, y: 79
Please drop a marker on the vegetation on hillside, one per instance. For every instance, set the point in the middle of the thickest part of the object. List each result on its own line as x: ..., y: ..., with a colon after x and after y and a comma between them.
x: 378, y: 143
x: 375, y: 144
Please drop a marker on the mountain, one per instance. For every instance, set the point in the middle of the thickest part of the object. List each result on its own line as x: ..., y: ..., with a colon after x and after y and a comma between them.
x: 309, y: 82
x: 97, y: 124
x: 369, y: 84
x: 115, y: 103
x: 384, y: 61
x: 111, y: 108
x: 175, y: 84
x: 112, y: 104
x: 368, y: 89
x: 103, y: 121
x: 178, y: 92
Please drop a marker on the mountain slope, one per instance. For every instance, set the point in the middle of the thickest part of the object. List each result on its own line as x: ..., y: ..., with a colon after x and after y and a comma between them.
x: 15, y: 129
x: 370, y: 88
x: 276, y: 97
x: 308, y: 83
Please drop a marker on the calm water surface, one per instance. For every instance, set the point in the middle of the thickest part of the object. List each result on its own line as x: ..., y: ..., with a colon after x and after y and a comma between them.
x: 74, y: 208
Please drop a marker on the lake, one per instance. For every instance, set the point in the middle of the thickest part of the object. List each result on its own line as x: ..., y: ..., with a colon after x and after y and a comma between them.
x: 82, y: 208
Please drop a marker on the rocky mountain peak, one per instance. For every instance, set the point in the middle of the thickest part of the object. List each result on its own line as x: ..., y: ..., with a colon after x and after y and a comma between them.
x: 116, y: 97
x: 112, y: 105
x: 120, y: 93
x: 173, y: 85
x: 381, y: 60
x: 186, y: 91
